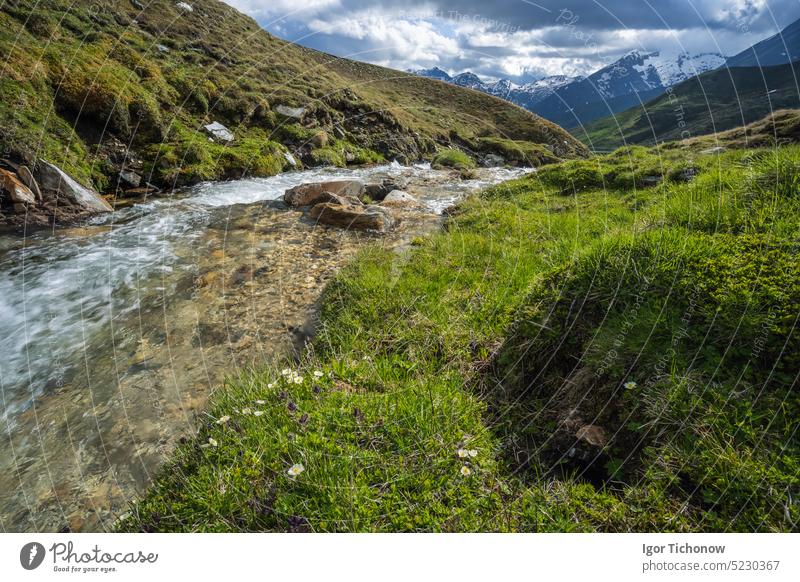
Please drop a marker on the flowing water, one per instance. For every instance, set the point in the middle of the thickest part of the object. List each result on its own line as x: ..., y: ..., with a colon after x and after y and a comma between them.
x: 113, y: 335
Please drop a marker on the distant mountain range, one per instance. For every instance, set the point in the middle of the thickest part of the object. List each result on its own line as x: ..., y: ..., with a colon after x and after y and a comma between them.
x: 527, y: 95
x: 634, y: 78
x: 572, y: 101
x: 631, y: 81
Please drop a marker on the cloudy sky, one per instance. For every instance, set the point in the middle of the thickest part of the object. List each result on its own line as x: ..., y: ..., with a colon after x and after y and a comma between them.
x: 518, y: 39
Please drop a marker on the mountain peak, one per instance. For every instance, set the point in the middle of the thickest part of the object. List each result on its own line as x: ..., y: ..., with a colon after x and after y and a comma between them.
x: 467, y: 79
x: 433, y: 73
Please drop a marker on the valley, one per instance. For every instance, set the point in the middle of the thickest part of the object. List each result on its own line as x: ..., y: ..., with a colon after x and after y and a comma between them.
x: 252, y: 286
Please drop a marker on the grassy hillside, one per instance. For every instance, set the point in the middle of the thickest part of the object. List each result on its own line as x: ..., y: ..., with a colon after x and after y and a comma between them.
x: 82, y: 80
x: 712, y: 102
x: 609, y: 344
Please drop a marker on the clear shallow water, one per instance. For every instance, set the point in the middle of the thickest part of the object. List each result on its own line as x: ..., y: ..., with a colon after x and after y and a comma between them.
x: 112, y: 335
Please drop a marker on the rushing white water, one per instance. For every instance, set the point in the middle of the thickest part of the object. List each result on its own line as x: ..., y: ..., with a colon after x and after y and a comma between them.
x: 57, y: 289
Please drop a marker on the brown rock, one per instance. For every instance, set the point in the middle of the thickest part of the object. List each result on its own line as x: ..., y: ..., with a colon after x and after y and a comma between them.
x: 593, y: 435
x: 400, y: 198
x: 349, y: 216
x: 379, y: 190
x: 27, y: 178
x: 340, y: 200
x: 320, y: 139
x: 20, y: 194
x: 310, y: 194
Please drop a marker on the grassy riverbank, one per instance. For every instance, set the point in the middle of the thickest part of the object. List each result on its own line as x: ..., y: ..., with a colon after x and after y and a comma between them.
x: 609, y: 344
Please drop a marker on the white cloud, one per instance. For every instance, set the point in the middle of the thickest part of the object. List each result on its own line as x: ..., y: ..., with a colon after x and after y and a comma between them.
x: 424, y: 33
x: 283, y: 8
x: 392, y: 38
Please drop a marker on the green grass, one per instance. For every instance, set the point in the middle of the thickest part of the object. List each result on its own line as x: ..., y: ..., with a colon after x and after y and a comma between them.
x: 453, y: 158
x: 518, y: 152
x: 77, y: 72
x: 454, y: 375
x: 713, y: 102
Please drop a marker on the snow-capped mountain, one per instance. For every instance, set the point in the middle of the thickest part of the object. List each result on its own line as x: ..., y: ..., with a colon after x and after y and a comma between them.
x: 571, y: 101
x: 543, y: 88
x: 434, y: 73
x: 526, y: 95
x: 636, y: 77
x: 666, y: 71
x: 470, y: 80
x: 640, y: 71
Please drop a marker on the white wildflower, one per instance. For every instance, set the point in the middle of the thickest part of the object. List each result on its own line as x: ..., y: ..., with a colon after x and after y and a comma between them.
x: 462, y: 453
x: 246, y: 411
x: 295, y: 470
x: 318, y: 374
x: 212, y: 441
x: 261, y: 402
x: 258, y: 413
x: 223, y: 419
x: 466, y: 471
x: 285, y: 372
x: 630, y: 385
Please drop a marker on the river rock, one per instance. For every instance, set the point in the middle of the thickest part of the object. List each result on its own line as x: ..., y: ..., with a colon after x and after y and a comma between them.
x: 340, y: 200
x: 380, y: 190
x: 310, y: 194
x: 129, y: 179
x: 493, y: 161
x: 19, y: 193
x: 353, y: 217
x: 399, y: 198
x: 27, y: 178
x: 53, y: 179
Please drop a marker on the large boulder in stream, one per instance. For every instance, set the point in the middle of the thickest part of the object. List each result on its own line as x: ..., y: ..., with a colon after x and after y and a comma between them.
x: 55, y: 182
x: 316, y: 192
x: 351, y: 216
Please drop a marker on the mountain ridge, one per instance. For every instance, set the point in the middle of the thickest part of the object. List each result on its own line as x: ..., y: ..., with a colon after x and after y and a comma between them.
x: 572, y: 101
x: 715, y: 101
x: 778, y: 49
x: 99, y: 87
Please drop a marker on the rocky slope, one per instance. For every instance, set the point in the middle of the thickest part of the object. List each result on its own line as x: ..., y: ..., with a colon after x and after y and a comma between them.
x: 132, y: 96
